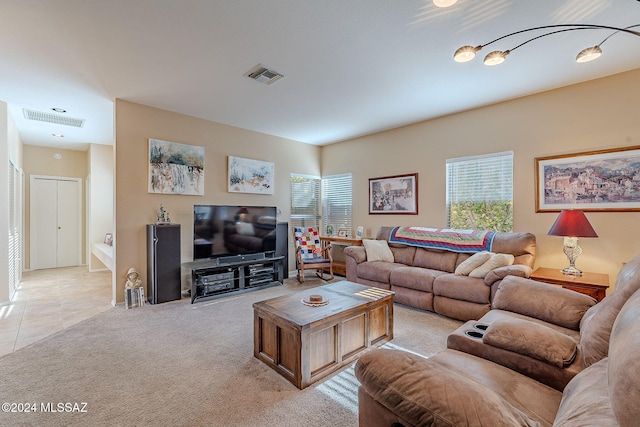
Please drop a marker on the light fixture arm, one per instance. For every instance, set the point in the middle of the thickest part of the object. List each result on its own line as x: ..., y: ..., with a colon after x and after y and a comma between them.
x: 617, y: 31
x: 568, y: 27
x: 467, y: 53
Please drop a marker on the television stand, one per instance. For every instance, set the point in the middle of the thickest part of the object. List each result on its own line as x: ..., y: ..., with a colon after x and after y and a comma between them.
x: 215, y: 278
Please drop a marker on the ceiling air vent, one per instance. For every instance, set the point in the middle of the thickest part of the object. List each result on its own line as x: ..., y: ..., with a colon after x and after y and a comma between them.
x: 52, y: 118
x: 262, y: 74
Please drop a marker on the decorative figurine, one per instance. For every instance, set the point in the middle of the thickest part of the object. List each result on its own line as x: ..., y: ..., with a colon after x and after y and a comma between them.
x: 163, y: 216
x: 133, y: 289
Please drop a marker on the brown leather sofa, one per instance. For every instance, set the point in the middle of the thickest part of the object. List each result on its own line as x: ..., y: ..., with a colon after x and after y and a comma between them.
x: 455, y: 388
x: 546, y: 332
x: 425, y: 279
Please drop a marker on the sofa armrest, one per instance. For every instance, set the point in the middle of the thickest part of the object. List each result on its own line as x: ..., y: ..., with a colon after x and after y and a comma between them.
x: 532, y: 339
x: 426, y: 393
x: 519, y: 270
x: 543, y: 301
x: 358, y: 253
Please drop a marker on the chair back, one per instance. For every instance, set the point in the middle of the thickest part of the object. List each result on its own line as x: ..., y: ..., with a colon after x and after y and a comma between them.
x: 308, y: 242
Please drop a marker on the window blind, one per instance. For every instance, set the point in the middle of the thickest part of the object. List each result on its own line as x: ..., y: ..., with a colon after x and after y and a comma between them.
x: 337, y: 203
x: 15, y: 229
x: 305, y: 201
x: 480, y: 192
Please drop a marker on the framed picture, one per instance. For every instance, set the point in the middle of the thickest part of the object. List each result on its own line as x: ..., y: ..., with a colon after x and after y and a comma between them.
x: 394, y: 194
x: 175, y: 168
x: 250, y: 176
x: 342, y: 232
x: 359, y: 232
x: 108, y: 239
x: 606, y: 180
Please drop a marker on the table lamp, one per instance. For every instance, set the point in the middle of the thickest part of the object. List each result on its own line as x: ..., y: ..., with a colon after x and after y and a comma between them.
x: 572, y: 224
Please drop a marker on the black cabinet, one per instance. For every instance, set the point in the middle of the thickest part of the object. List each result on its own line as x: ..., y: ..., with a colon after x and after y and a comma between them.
x: 163, y: 263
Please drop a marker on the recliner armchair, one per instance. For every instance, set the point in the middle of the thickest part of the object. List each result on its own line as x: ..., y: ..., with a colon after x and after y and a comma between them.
x: 455, y: 388
x: 543, y: 331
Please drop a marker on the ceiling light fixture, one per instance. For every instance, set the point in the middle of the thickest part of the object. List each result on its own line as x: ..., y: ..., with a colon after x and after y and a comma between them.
x: 444, y: 3
x: 57, y: 135
x: 467, y: 53
x: 59, y: 110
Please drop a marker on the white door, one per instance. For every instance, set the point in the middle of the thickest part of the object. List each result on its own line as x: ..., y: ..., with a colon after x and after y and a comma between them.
x: 55, y: 222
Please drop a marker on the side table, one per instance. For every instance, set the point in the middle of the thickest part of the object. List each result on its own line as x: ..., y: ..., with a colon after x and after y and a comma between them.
x: 593, y: 284
x: 339, y: 262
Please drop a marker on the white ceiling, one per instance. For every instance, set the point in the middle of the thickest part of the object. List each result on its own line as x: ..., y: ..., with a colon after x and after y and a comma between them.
x: 352, y: 67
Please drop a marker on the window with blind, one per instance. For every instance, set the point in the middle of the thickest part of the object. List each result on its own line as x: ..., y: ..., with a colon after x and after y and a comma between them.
x: 305, y: 201
x: 336, y: 203
x: 15, y: 228
x: 480, y: 192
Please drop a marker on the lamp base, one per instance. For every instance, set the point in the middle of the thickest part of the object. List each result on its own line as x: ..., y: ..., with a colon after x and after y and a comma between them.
x: 571, y: 271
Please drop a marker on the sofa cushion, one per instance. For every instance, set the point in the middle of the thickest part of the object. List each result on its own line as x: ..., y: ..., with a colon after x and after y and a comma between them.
x: 471, y: 263
x: 533, y: 340
x: 435, y: 260
x: 624, y: 364
x: 496, y: 261
x: 585, y: 401
x: 462, y: 288
x: 552, y: 304
x: 597, y: 323
x: 377, y: 250
x: 420, y: 279
x: 378, y: 271
x: 403, y: 255
x: 424, y: 392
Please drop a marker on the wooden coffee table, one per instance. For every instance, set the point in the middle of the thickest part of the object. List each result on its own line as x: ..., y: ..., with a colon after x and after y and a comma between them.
x: 305, y: 343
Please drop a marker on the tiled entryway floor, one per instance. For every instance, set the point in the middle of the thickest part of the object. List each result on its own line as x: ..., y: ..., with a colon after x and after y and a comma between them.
x: 51, y: 300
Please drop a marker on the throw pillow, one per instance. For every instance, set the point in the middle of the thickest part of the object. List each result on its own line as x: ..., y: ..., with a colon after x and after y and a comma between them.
x: 377, y: 250
x: 496, y: 261
x: 473, y: 262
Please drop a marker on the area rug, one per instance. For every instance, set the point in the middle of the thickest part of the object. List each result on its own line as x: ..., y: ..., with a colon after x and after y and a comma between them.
x: 183, y: 364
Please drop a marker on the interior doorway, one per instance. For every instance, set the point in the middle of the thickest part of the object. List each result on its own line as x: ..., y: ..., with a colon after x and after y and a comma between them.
x: 55, y: 222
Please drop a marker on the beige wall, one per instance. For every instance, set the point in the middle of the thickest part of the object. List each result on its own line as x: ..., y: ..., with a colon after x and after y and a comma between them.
x: 135, y: 207
x: 40, y: 161
x: 590, y: 116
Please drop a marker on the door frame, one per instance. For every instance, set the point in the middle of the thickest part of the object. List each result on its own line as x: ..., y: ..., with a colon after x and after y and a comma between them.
x: 32, y: 179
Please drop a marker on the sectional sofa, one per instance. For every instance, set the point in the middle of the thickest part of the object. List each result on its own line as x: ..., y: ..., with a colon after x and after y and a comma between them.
x: 469, y: 385
x: 425, y: 278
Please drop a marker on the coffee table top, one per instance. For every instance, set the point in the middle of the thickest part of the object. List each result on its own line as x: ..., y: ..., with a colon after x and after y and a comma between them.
x: 342, y: 296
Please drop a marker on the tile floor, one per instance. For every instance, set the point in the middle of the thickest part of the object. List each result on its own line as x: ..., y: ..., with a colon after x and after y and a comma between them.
x: 51, y: 300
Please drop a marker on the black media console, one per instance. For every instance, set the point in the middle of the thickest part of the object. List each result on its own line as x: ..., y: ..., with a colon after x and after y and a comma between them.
x: 214, y: 278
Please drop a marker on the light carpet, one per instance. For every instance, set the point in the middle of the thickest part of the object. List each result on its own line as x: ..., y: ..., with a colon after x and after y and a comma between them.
x: 180, y: 364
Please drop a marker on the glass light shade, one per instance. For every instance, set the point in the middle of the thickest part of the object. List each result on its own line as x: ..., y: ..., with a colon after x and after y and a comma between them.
x: 589, y: 54
x: 465, y: 53
x: 444, y: 3
x: 496, y: 57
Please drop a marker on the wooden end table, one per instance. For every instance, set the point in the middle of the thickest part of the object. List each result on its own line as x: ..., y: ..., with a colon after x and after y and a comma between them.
x: 593, y: 284
x: 339, y: 263
x: 304, y: 343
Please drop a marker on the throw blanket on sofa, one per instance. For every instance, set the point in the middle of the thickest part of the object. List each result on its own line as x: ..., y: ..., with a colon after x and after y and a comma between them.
x: 463, y: 241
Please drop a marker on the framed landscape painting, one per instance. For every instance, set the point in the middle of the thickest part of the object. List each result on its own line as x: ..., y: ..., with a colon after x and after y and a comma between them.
x: 175, y: 168
x: 250, y: 176
x: 394, y: 194
x: 606, y: 180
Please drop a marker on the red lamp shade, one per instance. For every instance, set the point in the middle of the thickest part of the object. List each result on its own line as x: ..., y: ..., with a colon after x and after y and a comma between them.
x: 572, y: 224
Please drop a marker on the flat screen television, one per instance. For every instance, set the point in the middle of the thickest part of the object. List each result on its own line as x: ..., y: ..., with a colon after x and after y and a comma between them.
x: 222, y: 230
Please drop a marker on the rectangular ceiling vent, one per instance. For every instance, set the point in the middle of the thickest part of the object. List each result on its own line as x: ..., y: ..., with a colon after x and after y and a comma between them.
x: 57, y: 119
x: 262, y: 74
